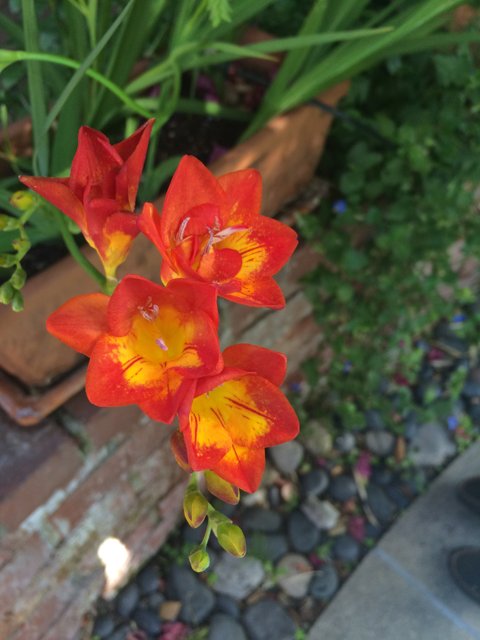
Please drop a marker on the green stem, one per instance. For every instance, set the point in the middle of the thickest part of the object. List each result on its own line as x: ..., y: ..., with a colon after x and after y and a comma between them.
x: 78, y: 255
x: 206, y: 537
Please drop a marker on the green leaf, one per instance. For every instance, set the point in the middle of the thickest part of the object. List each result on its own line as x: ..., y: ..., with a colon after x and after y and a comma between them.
x: 80, y: 72
x: 354, y: 260
x: 220, y: 11
x: 345, y: 292
x: 36, y: 89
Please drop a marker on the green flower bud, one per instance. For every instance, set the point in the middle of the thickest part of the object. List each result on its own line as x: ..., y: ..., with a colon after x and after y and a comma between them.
x: 17, y: 302
x: 195, y: 507
x: 23, y: 200
x: 8, y: 223
x: 18, y: 278
x: 199, y: 559
x: 21, y: 246
x: 6, y: 293
x: 8, y: 260
x: 231, y: 538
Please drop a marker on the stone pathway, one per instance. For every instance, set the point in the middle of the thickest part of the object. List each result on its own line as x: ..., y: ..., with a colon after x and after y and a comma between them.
x: 326, y: 501
x: 402, y: 589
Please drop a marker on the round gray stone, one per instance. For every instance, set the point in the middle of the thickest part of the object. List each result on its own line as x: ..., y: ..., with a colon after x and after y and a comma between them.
x: 324, y: 582
x: 127, y: 600
x: 226, y: 604
x: 345, y: 442
x: 104, y: 625
x: 267, y: 619
x: 471, y: 388
x: 295, y: 573
x: 302, y: 533
x: 287, y: 457
x: 315, y: 482
x: 267, y: 546
x: 430, y: 446
x: 321, y: 512
x: 380, y: 504
x: 374, y: 419
x: 223, y: 627
x: 380, y: 442
x: 120, y: 633
x: 148, y: 621
x: 238, y: 577
x: 346, y: 548
x: 342, y: 488
x: 259, y: 519
x: 196, y: 598
x: 148, y: 579
x: 317, y: 438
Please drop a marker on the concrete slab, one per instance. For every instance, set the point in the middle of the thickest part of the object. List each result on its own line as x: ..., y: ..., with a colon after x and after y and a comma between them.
x: 376, y: 603
x: 402, y: 589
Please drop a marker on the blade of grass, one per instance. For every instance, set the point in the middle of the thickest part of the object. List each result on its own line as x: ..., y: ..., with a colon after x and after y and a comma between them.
x: 11, y: 28
x: 220, y: 52
x: 160, y: 174
x: 437, y: 41
x: 35, y: 90
x: 200, y: 107
x: 295, y: 59
x: 80, y: 72
x: 350, y: 58
x: 65, y: 140
x: 137, y: 29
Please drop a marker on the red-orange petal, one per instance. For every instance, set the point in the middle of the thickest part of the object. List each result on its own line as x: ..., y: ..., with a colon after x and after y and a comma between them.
x: 115, y: 382
x: 57, y: 192
x: 243, y: 196
x: 134, y: 293
x: 269, y: 364
x: 133, y: 151
x: 158, y: 409
x: 206, y: 441
x: 80, y: 322
x: 248, y: 411
x: 265, y: 247
x: 192, y: 185
x: 259, y: 292
x: 149, y: 224
x: 242, y: 467
x: 179, y: 450
x: 94, y: 159
x: 114, y: 240
x: 159, y: 340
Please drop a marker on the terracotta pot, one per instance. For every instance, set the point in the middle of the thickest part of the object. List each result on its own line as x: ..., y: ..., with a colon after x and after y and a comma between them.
x: 286, y: 151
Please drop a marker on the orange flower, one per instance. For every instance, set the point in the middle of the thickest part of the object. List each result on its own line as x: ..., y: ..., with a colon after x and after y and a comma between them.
x: 147, y: 344
x: 99, y: 195
x: 235, y: 414
x: 211, y: 231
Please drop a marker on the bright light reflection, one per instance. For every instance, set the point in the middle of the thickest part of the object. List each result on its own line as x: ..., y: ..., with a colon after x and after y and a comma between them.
x: 115, y: 557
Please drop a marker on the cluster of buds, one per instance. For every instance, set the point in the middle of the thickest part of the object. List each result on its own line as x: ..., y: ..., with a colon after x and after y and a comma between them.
x: 156, y: 345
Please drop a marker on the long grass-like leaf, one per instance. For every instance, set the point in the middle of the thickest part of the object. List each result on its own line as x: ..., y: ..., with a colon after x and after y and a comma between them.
x: 137, y: 30
x: 296, y: 58
x: 200, y: 107
x: 437, y: 41
x: 220, y: 52
x: 158, y: 175
x: 10, y: 57
x: 350, y: 58
x: 11, y: 28
x: 80, y: 72
x: 35, y: 89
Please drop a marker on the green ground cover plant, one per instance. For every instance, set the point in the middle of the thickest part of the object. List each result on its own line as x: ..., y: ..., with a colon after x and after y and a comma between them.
x: 108, y: 65
x: 405, y: 195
